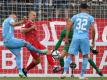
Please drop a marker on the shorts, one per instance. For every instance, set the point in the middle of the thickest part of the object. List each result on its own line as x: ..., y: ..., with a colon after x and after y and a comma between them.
x: 14, y: 45
x: 79, y: 44
x: 38, y: 45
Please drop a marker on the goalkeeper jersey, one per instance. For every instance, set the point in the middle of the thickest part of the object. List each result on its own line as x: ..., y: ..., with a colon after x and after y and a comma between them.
x: 62, y: 36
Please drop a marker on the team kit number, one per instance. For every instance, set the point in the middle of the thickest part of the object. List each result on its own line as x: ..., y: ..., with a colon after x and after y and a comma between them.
x: 81, y: 24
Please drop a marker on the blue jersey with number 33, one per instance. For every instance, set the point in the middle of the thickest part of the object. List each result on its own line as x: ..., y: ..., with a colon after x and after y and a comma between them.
x: 82, y: 22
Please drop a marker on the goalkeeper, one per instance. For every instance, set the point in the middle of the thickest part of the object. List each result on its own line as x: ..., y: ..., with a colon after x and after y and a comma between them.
x: 65, y: 52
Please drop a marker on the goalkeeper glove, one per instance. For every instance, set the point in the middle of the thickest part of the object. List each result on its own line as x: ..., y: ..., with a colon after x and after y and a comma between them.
x: 95, y: 52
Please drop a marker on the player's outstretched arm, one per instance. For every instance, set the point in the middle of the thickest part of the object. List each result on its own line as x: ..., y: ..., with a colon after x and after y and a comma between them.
x: 25, y: 30
x: 62, y: 35
x: 14, y: 24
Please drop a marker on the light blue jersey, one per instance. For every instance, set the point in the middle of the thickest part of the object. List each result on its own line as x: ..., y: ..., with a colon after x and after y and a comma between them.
x: 8, y: 29
x: 80, y: 40
x: 82, y: 22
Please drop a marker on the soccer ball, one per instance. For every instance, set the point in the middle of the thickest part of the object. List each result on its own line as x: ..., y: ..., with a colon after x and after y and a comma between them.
x: 56, y: 54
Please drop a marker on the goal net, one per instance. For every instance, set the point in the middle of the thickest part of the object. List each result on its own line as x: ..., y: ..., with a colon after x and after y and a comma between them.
x: 51, y: 16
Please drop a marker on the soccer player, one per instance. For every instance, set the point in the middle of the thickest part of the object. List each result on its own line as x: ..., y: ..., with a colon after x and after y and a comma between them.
x: 65, y: 52
x: 15, y: 44
x: 80, y: 23
x: 30, y: 32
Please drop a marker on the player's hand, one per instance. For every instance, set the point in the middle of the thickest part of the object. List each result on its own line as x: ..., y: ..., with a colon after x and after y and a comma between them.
x: 22, y: 21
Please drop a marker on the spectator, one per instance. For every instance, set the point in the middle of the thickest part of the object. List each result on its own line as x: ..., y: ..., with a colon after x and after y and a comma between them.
x: 37, y: 4
x: 61, y: 6
x: 42, y: 7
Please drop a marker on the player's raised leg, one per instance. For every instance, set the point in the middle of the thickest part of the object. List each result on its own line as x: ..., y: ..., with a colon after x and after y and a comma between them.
x: 32, y: 48
x: 14, y: 45
x: 18, y: 43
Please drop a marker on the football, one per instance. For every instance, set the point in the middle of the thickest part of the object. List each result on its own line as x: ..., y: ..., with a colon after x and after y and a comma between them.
x: 56, y: 54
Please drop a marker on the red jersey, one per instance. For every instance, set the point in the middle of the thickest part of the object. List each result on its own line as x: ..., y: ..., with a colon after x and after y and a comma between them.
x: 31, y: 35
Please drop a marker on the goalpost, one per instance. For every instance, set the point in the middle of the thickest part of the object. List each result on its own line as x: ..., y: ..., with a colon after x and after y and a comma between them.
x: 51, y: 18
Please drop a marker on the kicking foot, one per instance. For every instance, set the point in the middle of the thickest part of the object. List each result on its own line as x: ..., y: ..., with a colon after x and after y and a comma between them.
x: 21, y: 75
x: 45, y: 51
x: 24, y: 72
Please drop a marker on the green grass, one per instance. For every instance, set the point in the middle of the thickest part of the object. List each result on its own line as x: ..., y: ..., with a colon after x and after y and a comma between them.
x: 16, y: 78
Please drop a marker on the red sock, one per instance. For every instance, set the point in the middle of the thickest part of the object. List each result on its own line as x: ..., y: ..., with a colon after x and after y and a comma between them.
x: 31, y: 65
x: 50, y: 60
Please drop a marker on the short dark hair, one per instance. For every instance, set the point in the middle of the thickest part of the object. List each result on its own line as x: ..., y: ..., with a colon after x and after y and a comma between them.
x: 84, y: 5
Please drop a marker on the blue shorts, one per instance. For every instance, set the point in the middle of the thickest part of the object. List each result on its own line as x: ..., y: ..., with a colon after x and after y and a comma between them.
x: 79, y: 44
x: 14, y: 45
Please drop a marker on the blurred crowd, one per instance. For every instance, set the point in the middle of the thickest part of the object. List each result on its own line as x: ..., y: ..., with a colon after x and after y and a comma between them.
x: 48, y: 8
x: 44, y: 8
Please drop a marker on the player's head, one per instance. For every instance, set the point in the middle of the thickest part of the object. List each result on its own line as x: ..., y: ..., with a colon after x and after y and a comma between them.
x: 13, y: 15
x: 83, y: 7
x: 32, y: 15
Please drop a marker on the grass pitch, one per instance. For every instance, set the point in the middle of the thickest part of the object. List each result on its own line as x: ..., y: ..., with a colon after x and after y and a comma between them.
x: 34, y: 78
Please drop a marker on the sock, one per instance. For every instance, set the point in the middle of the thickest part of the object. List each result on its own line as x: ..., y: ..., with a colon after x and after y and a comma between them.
x: 50, y: 60
x: 93, y: 65
x: 18, y: 62
x: 67, y: 63
x: 31, y: 65
x: 32, y: 48
x: 62, y: 62
x: 84, y: 66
